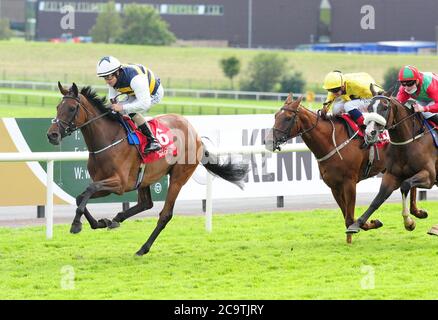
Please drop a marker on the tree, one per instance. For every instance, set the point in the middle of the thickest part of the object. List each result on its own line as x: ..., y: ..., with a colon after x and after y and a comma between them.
x: 390, y: 79
x: 143, y: 25
x: 108, y: 24
x: 264, y: 72
x: 5, y: 31
x: 230, y: 67
x: 293, y: 82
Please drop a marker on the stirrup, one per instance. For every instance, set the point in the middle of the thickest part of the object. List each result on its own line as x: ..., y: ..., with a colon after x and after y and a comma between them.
x: 152, y: 146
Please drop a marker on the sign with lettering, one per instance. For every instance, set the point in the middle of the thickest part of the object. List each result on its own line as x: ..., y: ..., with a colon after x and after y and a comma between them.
x: 72, y: 176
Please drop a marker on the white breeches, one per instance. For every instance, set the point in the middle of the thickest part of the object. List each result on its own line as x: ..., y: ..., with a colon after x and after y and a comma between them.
x: 341, y: 106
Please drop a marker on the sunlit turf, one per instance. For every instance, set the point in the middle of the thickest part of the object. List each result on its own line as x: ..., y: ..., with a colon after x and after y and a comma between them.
x: 184, y: 67
x: 276, y: 255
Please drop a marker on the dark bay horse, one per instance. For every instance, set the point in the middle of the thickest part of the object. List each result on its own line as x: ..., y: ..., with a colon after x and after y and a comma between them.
x: 341, y: 161
x: 114, y: 164
x: 411, y: 159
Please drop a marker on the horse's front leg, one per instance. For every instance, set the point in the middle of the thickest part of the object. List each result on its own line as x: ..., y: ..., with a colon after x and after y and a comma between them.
x: 387, y: 187
x: 144, y: 203
x: 419, y: 213
x: 95, y: 190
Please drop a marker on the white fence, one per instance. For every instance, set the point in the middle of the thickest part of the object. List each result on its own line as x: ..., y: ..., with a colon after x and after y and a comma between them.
x: 50, y: 157
x: 227, y: 94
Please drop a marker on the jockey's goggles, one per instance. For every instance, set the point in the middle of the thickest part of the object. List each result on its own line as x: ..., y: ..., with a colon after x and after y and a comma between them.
x: 408, y: 83
x: 110, y: 76
x: 334, y: 90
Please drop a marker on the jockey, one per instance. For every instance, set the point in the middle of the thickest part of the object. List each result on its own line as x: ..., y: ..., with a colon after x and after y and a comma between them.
x: 142, y: 87
x: 423, y: 88
x: 349, y: 92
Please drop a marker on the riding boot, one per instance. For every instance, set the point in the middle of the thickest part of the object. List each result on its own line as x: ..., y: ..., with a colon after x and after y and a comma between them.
x: 357, y: 117
x: 153, y: 144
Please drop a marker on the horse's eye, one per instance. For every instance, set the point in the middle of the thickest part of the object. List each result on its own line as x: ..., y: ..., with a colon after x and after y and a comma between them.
x: 71, y: 109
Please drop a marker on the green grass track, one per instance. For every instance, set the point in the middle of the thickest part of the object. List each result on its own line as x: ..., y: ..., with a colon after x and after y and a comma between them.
x: 281, y: 255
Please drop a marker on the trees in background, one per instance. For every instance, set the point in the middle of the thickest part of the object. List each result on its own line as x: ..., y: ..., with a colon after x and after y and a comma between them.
x: 143, y: 25
x: 108, y: 25
x: 138, y: 24
x: 5, y: 30
x: 231, y: 68
x: 390, y: 79
x: 293, y: 82
x: 268, y: 72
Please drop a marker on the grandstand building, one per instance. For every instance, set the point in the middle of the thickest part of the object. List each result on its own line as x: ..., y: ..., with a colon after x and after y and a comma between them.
x: 263, y: 24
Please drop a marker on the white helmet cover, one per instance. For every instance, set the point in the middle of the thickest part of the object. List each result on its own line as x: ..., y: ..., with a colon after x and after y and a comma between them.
x: 107, y: 66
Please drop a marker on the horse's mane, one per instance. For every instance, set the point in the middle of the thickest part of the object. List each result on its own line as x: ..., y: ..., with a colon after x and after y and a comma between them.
x: 98, y: 102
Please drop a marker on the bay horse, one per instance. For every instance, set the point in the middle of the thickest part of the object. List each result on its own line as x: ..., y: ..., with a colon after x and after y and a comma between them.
x: 411, y: 159
x: 341, y: 161
x: 114, y: 164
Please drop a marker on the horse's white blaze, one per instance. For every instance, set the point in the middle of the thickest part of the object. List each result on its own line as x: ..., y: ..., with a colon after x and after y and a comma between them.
x: 375, y: 105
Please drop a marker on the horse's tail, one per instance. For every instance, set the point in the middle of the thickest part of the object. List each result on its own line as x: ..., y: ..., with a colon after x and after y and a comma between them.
x: 232, y: 172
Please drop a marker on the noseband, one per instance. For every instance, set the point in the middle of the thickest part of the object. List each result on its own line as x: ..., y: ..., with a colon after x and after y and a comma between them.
x: 69, y: 127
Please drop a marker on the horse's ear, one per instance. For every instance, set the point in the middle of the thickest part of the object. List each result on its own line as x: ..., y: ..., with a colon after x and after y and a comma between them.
x: 62, y: 89
x: 373, y: 91
x: 74, y: 89
x: 289, y: 98
x: 299, y: 99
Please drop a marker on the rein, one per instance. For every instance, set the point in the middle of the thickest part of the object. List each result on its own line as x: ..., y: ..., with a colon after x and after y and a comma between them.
x: 318, y: 115
x: 293, y: 121
x: 418, y: 136
x: 70, y: 127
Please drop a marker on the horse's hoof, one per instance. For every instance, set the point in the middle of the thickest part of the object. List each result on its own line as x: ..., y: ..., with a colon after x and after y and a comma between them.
x: 141, y: 252
x: 433, y: 231
x: 420, y: 214
x: 103, y: 223
x: 411, y: 226
x: 354, y: 228
x: 76, y: 228
x: 113, y: 225
x: 377, y: 224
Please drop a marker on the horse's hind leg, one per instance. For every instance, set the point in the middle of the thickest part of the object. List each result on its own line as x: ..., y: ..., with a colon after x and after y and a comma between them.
x: 179, y: 175
x: 419, y: 213
x: 144, y: 203
x: 423, y: 179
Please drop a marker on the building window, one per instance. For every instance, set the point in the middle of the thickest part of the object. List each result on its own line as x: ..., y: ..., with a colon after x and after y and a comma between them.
x: 189, y: 9
x: 171, y: 9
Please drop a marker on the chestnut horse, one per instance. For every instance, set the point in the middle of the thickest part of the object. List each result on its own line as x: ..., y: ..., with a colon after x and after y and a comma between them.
x: 114, y: 164
x: 341, y: 161
x: 411, y: 159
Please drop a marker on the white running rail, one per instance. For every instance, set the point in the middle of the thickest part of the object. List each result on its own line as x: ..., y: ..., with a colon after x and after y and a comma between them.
x: 50, y: 157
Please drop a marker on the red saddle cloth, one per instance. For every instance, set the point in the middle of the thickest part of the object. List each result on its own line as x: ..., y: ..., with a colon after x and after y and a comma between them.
x: 163, y: 135
x: 383, y: 137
